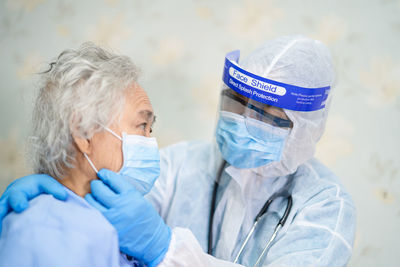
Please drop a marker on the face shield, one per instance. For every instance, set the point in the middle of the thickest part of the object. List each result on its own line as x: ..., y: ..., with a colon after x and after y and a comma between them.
x: 262, y: 112
x: 253, y: 126
x: 252, y: 110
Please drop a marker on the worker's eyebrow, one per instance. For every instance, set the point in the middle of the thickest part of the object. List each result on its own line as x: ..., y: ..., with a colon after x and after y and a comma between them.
x: 244, y: 98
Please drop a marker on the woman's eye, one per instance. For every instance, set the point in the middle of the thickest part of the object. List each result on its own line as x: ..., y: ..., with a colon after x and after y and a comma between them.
x: 143, y: 126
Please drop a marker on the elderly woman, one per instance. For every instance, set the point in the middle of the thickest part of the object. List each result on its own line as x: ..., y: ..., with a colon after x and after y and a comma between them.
x: 90, y: 114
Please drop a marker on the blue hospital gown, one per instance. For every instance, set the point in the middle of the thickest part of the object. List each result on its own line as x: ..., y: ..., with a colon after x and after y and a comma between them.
x: 56, y: 233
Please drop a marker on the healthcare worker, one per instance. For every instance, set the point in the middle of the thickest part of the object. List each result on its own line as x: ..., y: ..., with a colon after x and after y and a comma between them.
x: 254, y: 197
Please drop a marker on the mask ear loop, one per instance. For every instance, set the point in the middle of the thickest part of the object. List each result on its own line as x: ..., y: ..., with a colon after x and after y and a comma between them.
x: 110, y: 131
x: 117, y: 136
x: 91, y: 163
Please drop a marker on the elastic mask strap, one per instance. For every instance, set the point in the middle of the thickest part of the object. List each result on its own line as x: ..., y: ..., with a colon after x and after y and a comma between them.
x: 91, y: 163
x: 111, y: 131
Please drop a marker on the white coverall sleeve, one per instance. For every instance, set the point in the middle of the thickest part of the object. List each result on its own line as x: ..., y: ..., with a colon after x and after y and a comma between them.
x: 184, y: 250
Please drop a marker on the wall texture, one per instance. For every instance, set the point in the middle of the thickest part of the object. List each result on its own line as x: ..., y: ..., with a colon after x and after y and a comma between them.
x: 180, y: 46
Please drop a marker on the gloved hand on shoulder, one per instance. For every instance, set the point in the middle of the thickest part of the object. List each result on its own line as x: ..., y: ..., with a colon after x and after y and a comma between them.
x: 19, y: 192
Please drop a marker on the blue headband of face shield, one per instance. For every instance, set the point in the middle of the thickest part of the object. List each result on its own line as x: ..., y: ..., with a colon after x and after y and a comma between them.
x: 271, y: 92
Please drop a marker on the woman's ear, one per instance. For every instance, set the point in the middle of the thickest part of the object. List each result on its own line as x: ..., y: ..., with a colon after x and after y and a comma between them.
x: 83, y: 145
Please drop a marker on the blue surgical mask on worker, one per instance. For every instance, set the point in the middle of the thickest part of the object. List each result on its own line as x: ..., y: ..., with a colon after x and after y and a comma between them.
x: 141, y: 160
x: 249, y: 143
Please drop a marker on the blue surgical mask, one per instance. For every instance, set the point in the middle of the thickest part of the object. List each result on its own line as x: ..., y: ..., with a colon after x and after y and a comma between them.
x: 248, y: 143
x: 141, y: 166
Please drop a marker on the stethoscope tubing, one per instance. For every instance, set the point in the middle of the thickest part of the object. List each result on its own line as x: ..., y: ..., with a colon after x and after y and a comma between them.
x: 280, y: 224
x: 263, y: 210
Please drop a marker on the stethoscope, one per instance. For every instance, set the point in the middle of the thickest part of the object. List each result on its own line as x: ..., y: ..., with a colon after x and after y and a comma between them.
x: 263, y: 210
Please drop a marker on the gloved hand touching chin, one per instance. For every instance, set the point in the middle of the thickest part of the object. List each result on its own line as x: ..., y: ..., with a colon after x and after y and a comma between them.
x: 19, y: 192
x: 142, y: 233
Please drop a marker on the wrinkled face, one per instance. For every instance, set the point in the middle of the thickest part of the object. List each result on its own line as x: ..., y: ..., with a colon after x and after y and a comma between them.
x: 137, y: 118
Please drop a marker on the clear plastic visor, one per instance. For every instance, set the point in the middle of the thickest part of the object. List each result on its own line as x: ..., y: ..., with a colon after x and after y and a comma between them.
x: 234, y: 102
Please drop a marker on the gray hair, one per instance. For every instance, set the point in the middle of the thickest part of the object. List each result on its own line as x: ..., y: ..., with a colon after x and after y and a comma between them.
x: 83, y: 89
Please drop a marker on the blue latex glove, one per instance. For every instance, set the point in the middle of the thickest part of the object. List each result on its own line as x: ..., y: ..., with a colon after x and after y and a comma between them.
x: 19, y: 192
x: 142, y: 233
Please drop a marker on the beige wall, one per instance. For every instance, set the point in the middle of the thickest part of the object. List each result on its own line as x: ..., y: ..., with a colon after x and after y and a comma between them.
x: 180, y: 45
